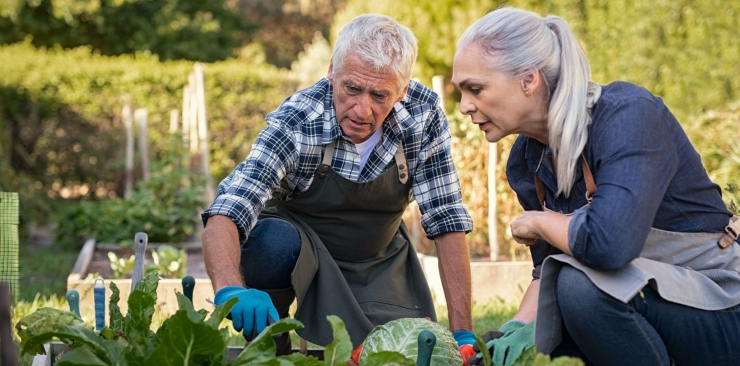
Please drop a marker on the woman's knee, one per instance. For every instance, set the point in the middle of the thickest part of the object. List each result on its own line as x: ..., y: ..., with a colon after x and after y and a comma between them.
x: 576, y: 293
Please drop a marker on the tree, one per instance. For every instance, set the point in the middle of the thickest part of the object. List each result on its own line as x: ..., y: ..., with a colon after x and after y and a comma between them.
x: 203, y: 30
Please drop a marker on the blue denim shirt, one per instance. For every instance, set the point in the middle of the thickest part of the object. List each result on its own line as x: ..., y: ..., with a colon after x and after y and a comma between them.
x: 647, y: 175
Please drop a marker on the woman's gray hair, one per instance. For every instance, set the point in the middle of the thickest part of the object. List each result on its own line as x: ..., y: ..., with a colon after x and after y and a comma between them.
x: 380, y: 41
x: 519, y: 42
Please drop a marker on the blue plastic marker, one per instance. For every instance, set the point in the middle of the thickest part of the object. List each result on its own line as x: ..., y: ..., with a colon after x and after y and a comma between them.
x: 73, y: 298
x: 99, y: 291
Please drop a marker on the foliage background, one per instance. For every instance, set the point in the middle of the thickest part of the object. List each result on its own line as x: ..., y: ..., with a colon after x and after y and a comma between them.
x: 63, y: 83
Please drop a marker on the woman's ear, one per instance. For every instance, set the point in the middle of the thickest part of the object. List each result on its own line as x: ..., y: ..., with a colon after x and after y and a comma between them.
x: 531, y: 82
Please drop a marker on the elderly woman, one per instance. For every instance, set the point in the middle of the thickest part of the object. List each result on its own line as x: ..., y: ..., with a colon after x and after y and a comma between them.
x: 635, y: 263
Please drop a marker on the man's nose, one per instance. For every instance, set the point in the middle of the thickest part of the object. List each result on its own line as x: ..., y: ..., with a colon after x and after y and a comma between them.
x: 363, y: 107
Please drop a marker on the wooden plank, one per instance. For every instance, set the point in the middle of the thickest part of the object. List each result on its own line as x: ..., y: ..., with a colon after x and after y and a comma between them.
x: 7, y: 347
x: 83, y: 261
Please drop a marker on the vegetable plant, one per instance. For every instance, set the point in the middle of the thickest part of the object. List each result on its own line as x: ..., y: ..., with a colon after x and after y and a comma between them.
x: 189, y: 337
x: 121, y: 266
x: 169, y: 261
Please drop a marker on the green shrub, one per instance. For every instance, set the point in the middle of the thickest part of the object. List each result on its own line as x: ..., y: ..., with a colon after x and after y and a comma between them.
x: 166, y: 207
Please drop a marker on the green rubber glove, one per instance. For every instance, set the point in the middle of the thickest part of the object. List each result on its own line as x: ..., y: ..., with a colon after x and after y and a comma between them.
x: 517, y: 337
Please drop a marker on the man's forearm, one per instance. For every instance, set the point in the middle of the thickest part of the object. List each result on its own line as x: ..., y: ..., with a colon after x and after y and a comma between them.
x: 221, y: 252
x: 528, y: 309
x: 454, y: 270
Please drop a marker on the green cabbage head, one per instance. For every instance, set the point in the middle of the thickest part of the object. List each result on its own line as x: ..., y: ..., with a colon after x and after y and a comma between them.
x: 401, y: 336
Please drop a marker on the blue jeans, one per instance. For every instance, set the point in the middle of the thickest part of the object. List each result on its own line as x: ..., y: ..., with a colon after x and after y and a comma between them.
x: 270, y: 254
x: 645, y: 331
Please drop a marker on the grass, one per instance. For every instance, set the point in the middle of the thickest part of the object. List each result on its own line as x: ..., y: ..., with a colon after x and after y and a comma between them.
x: 43, y: 271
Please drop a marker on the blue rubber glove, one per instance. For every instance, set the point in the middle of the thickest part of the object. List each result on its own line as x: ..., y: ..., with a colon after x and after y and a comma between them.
x: 253, y: 312
x: 517, y: 337
x: 465, y: 341
x: 464, y: 337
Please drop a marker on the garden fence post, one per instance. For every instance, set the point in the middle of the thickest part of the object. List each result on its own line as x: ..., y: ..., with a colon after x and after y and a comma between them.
x: 128, y: 123
x: 186, y: 120
x: 193, y: 114
x: 7, y: 347
x: 203, y: 132
x: 438, y: 84
x: 141, y: 116
x: 174, y: 116
x: 492, y: 214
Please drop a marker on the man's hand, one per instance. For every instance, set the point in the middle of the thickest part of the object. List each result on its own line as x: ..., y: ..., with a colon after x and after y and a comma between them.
x: 253, y: 312
x: 465, y: 341
x: 507, y: 348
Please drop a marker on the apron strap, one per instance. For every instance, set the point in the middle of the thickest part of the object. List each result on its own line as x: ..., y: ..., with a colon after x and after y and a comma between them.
x: 328, y: 154
x: 587, y: 176
x: 732, y: 232
x: 403, y: 169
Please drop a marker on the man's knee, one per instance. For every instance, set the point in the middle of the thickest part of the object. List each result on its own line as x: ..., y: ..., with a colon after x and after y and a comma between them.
x: 270, y: 254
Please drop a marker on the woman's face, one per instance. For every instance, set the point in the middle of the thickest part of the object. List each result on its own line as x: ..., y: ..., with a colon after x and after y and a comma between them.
x: 496, y: 103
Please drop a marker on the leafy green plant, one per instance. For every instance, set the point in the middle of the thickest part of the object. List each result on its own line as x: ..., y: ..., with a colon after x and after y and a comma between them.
x: 188, y: 337
x: 169, y: 261
x: 121, y: 266
x: 401, y: 336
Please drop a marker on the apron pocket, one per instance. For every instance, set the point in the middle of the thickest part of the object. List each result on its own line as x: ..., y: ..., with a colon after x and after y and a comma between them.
x: 379, y: 312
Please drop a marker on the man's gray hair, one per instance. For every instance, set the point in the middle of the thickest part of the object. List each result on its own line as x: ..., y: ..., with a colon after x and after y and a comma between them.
x: 518, y: 42
x: 379, y: 41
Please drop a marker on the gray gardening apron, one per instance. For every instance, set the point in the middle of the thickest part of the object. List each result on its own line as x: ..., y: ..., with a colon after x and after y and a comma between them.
x: 356, y: 260
x: 684, y: 268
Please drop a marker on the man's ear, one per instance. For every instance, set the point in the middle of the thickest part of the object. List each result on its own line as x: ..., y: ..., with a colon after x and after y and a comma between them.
x: 331, y: 70
x: 403, y: 93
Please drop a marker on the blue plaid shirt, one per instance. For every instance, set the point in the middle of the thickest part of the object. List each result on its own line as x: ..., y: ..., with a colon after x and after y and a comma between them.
x: 288, y: 150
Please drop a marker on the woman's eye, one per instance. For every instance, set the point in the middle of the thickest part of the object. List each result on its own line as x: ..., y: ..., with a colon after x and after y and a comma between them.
x: 475, y: 91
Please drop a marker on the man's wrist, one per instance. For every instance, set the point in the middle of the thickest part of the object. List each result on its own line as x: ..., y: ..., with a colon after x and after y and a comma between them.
x: 463, y: 337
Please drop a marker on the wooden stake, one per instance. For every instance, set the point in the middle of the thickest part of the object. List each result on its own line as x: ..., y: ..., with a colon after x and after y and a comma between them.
x: 193, y: 114
x: 141, y: 116
x: 174, y: 115
x: 128, y: 123
x: 492, y: 213
x: 205, y: 153
x: 186, y: 117
x: 7, y: 347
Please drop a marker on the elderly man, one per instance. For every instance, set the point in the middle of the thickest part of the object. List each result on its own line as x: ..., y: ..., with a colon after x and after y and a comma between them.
x: 315, y: 210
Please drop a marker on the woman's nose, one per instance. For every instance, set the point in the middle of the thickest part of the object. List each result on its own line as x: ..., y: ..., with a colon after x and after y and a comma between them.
x: 466, y: 107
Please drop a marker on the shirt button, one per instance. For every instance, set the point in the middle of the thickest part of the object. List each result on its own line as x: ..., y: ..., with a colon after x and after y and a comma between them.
x: 325, y: 168
x: 403, y: 175
x: 402, y: 166
x: 322, y: 175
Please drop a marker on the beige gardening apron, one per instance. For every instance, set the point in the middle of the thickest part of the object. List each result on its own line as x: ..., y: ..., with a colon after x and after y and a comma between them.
x: 690, y: 269
x: 356, y: 260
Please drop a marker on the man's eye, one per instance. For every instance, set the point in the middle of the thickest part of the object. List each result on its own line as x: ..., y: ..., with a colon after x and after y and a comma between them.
x: 353, y: 90
x: 475, y: 91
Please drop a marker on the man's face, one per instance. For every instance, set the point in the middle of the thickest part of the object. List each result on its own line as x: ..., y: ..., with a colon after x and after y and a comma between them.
x: 363, y: 98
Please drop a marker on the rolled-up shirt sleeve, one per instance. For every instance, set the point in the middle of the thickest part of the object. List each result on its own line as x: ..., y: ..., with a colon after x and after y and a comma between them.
x: 635, y: 160
x: 436, y: 184
x: 242, y: 195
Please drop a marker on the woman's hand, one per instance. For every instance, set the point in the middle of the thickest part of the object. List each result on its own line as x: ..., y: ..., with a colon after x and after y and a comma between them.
x: 551, y: 227
x: 524, y: 228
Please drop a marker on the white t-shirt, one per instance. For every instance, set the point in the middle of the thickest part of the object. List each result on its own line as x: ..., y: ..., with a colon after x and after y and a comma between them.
x: 366, y: 147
